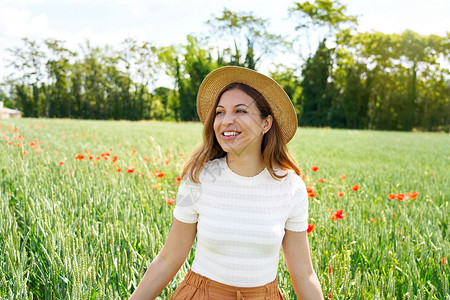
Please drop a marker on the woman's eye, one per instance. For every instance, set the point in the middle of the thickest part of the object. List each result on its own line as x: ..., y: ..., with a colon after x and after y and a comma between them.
x: 241, y: 111
x: 218, y: 112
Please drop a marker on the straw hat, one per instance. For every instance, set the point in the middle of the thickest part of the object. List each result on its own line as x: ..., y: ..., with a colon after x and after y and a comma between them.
x: 277, y: 98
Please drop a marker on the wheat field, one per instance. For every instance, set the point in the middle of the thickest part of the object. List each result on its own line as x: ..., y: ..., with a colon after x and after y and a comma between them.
x: 86, y: 205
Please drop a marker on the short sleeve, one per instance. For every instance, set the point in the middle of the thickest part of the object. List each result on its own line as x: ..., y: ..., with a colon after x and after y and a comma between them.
x: 187, y: 196
x: 298, y: 217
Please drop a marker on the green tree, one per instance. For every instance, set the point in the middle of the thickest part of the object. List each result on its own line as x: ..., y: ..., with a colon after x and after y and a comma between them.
x: 400, y: 70
x: 249, y: 36
x: 317, y: 90
x: 290, y: 83
x: 321, y: 14
x: 58, y: 71
x: 28, y: 64
x: 188, y: 65
x: 318, y: 94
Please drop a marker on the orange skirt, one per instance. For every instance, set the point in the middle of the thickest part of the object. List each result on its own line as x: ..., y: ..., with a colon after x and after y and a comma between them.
x: 198, y: 287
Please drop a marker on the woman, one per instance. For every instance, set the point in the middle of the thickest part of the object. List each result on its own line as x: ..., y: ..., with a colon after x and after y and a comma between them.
x: 241, y: 195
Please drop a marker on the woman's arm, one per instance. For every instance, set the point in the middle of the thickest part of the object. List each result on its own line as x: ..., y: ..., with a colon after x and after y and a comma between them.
x: 298, y: 261
x: 167, y: 263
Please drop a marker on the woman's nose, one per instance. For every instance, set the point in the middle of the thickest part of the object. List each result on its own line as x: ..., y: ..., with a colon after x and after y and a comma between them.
x: 229, y: 118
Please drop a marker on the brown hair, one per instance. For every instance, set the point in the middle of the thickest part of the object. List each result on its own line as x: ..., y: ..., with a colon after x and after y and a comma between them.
x: 274, y: 151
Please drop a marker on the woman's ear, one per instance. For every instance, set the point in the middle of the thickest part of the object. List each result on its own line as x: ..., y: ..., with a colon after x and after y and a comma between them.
x: 267, y: 123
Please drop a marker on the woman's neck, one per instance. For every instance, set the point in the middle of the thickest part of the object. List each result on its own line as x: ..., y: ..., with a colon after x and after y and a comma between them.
x: 245, y: 165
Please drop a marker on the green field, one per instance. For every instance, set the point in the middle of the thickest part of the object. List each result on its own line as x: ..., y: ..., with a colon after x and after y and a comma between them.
x: 79, y: 229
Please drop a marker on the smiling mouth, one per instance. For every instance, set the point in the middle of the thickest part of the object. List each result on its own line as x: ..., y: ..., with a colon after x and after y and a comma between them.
x: 230, y: 133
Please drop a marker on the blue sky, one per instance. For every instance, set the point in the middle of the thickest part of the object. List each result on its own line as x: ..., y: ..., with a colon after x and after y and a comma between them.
x: 165, y: 22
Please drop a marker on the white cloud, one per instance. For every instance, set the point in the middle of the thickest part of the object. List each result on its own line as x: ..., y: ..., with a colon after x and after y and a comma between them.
x: 17, y: 22
x: 101, y: 38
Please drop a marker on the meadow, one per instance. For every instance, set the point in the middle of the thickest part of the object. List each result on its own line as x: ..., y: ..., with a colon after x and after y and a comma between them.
x: 86, y: 205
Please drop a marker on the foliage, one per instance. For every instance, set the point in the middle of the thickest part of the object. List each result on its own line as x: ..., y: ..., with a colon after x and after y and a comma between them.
x: 317, y: 91
x: 84, y: 208
x: 360, y: 80
x: 244, y: 29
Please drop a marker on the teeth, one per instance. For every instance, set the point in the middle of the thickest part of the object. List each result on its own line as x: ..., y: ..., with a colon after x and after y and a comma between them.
x: 230, y: 133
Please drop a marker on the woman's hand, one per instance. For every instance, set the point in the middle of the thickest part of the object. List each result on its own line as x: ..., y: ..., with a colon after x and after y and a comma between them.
x: 167, y: 263
x: 298, y: 261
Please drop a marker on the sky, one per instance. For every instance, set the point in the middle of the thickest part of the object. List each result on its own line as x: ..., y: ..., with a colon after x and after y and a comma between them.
x: 166, y: 22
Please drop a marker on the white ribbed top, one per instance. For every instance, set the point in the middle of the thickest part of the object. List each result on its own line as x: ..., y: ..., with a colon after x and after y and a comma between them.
x: 241, y: 221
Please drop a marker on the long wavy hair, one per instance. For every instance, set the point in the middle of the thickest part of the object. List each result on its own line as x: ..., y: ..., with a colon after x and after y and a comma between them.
x: 273, y: 149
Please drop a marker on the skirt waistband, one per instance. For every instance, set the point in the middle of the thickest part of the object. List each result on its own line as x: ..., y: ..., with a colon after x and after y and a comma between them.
x: 206, y: 284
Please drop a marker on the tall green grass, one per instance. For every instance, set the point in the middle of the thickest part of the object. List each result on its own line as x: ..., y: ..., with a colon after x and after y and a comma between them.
x: 79, y: 231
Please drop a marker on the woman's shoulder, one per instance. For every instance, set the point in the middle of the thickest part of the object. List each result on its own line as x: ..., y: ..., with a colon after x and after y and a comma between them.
x: 213, y: 168
x: 292, y: 179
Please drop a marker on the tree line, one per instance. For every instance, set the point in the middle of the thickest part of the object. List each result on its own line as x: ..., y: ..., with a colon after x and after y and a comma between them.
x: 350, y: 80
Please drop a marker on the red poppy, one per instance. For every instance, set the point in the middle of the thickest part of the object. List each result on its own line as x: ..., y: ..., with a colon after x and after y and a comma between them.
x: 391, y: 196
x: 400, y: 197
x: 79, y: 156
x: 105, y: 155
x: 178, y: 178
x: 321, y: 180
x: 372, y: 220
x: 314, y: 168
x: 91, y: 157
x: 61, y: 163
x: 10, y: 143
x: 114, y: 158
x: 32, y: 144
x: 310, y: 228
x: 443, y: 260
x: 159, y: 175
x: 312, y: 194
x: 340, y: 194
x: 170, y: 201
x: 329, y: 270
x: 130, y: 170
x: 412, y: 195
x: 329, y: 296
x: 355, y: 187
x: 18, y: 145
x: 146, y: 159
x: 133, y: 152
x: 343, y: 176
x: 24, y: 153
x: 338, y: 214
x: 181, y: 153
x: 94, y: 163
x: 118, y: 170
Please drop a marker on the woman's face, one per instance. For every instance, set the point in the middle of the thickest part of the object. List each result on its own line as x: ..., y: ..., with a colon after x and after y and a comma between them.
x: 238, y: 126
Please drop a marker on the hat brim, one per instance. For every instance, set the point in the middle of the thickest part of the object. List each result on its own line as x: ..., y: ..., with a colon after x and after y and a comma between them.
x: 280, y: 103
